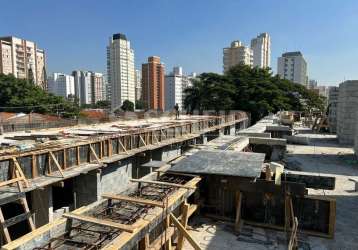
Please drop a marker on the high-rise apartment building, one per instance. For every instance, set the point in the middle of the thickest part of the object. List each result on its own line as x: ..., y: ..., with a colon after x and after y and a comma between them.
x: 88, y: 86
x: 97, y: 85
x: 175, y: 84
x: 121, y: 73
x: 153, y: 84
x: 261, y: 48
x: 138, y: 84
x: 61, y: 85
x: 236, y: 54
x: 23, y: 59
x: 293, y: 66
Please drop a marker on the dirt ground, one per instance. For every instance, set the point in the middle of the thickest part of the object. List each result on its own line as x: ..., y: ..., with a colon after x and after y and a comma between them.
x: 324, y: 156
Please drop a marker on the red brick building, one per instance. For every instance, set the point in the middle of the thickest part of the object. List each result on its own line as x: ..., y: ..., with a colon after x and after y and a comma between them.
x: 153, y: 83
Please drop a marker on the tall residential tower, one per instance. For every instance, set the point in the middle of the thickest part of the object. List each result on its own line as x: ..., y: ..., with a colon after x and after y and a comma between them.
x: 153, y: 84
x: 23, y: 59
x: 261, y: 48
x: 237, y: 53
x: 120, y: 67
x: 293, y: 66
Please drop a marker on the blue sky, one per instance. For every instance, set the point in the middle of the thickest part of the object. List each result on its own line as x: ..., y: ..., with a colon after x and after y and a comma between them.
x: 190, y: 33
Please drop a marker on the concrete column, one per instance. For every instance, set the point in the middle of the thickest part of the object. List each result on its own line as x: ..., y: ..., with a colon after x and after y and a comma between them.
x: 42, y: 205
x: 232, y: 130
x: 115, y: 177
x: 86, y: 188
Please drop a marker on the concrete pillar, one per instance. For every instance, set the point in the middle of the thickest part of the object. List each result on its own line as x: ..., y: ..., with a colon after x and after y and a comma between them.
x: 115, y: 177
x: 86, y: 188
x: 232, y: 130
x: 42, y: 205
x: 170, y: 152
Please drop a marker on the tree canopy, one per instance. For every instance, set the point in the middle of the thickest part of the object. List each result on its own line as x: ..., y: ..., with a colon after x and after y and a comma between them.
x: 254, y: 90
x: 20, y: 95
x: 127, y: 106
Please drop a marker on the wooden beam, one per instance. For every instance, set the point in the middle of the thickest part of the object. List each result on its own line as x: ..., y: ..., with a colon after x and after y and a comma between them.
x: 163, y: 183
x: 144, y: 242
x: 190, y: 239
x: 184, y: 222
x: 5, y: 230
x: 137, y: 200
x: 11, y: 181
x: 95, y: 155
x: 56, y: 163
x: 85, y: 218
x: 141, y: 138
x: 238, y: 211
x: 18, y: 168
x: 120, y: 143
x: 168, y: 241
x: 16, y: 219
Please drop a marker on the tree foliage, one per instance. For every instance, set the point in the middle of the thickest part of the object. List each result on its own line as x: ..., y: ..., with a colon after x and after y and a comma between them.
x: 127, y: 106
x: 19, y: 95
x: 254, y: 90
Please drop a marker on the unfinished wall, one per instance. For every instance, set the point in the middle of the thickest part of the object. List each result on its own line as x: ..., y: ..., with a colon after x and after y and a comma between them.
x: 42, y: 206
x: 86, y: 188
x: 333, y: 105
x: 347, y: 112
x: 115, y: 177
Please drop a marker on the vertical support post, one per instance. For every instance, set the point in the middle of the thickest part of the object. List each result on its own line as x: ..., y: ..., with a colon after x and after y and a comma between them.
x: 144, y: 242
x: 64, y: 158
x: 238, y: 211
x: 168, y: 243
x: 78, y: 158
x: 184, y: 222
x: 34, y: 166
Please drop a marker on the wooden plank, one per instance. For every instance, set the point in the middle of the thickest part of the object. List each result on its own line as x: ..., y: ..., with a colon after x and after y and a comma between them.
x: 8, y: 182
x: 144, y: 242
x: 141, y: 138
x: 95, y: 155
x: 5, y: 230
x: 137, y: 200
x: 58, y: 166
x: 14, y: 220
x: 85, y: 218
x: 78, y: 156
x: 168, y: 241
x: 332, y: 219
x: 34, y: 169
x: 238, y: 211
x: 163, y: 183
x: 120, y: 143
x: 184, y: 222
x: 190, y: 239
x: 18, y: 168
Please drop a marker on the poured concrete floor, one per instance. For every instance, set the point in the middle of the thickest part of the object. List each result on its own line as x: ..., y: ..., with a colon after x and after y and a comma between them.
x: 322, y: 156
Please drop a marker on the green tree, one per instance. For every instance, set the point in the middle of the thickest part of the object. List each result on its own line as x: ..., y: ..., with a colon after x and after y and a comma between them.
x: 254, y: 90
x: 103, y: 104
x: 139, y: 104
x: 19, y: 95
x: 127, y: 106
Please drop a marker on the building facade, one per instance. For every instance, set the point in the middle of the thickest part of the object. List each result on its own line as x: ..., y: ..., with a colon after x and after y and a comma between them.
x: 61, y: 85
x: 120, y: 68
x: 293, y: 66
x: 261, y: 48
x: 174, y: 83
x: 138, y: 85
x: 153, y: 84
x: 88, y: 86
x: 23, y: 59
x: 236, y: 54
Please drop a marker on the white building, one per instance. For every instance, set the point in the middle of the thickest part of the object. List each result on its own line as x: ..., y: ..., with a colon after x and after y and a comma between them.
x: 120, y: 67
x: 138, y: 84
x: 88, y: 86
x: 261, y: 48
x: 312, y: 84
x: 23, y: 59
x: 293, y: 66
x: 175, y: 84
x: 61, y: 85
x: 236, y: 54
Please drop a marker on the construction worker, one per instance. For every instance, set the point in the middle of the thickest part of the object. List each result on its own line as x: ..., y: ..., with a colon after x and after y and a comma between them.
x: 176, y: 107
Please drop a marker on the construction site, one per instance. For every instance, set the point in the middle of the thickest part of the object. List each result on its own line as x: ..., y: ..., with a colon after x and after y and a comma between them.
x: 197, y: 182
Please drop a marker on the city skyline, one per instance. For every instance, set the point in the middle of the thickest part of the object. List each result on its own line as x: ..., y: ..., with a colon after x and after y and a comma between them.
x: 302, y: 26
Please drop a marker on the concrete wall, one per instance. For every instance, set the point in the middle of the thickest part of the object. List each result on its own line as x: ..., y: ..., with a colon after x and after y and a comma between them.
x: 347, y: 112
x: 115, y: 177
x: 333, y: 105
x: 86, y: 188
x: 42, y: 206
